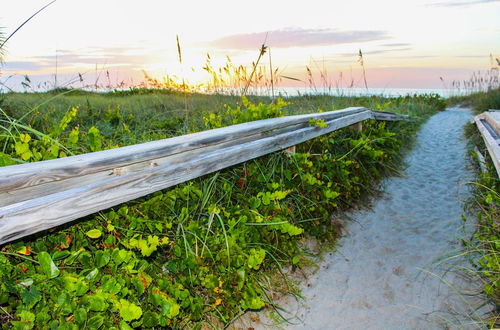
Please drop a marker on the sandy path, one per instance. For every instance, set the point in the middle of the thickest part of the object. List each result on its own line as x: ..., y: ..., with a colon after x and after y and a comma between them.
x: 374, y: 280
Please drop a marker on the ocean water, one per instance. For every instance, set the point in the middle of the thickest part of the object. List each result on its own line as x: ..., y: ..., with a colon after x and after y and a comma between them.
x: 14, y: 83
x: 356, y: 91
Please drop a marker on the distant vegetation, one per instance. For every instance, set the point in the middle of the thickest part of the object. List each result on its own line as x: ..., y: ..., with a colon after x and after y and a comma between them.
x: 483, y: 89
x: 480, y: 101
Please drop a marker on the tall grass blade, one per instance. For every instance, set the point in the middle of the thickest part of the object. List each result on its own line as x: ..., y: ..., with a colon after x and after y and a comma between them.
x: 26, y: 21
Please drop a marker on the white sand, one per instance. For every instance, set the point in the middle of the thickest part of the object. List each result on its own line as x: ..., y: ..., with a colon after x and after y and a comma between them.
x: 375, y: 279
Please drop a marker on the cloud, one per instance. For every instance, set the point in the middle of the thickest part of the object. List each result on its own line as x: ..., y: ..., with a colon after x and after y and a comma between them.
x: 25, y: 66
x: 461, y: 3
x: 83, y: 58
x: 424, y: 56
x: 397, y: 44
x: 375, y: 52
x: 471, y: 56
x: 94, y: 55
x: 296, y: 38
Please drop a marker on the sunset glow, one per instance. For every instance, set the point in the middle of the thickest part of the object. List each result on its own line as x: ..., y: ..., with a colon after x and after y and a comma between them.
x: 405, y: 44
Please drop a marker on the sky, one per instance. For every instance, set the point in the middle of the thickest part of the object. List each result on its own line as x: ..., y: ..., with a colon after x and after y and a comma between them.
x: 405, y: 44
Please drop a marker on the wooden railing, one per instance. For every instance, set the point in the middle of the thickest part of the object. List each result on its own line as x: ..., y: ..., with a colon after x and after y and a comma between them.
x: 488, y: 124
x: 38, y: 196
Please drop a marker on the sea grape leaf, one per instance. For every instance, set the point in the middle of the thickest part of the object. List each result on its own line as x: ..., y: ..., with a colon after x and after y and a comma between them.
x: 90, y: 276
x: 96, y: 303
x: 80, y: 315
x: 125, y: 326
x: 48, y: 267
x: 255, y: 303
x: 287, y: 228
x: 170, y: 308
x: 94, y: 233
x: 95, y: 322
x: 30, y: 296
x: 256, y: 257
x: 102, y: 258
x: 94, y: 139
x: 150, y: 319
x: 24, y: 250
x: 129, y: 311
x: 26, y: 322
x: 76, y: 285
x: 64, y: 302
x: 25, y: 283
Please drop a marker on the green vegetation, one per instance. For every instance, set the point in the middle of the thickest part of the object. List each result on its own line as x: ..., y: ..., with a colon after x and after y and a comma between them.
x: 202, y: 253
x: 139, y: 115
x: 479, y: 102
x: 483, y: 248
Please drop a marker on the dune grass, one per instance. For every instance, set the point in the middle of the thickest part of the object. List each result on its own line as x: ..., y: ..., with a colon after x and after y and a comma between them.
x: 150, y: 114
x: 480, y: 101
x: 482, y: 248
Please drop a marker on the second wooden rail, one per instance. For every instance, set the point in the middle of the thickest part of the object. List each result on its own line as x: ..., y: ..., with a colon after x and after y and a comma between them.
x: 488, y: 124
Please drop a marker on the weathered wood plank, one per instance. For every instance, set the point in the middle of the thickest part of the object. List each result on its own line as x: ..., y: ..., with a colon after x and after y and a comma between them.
x: 45, y: 212
x: 32, y: 174
x: 491, y: 140
x: 481, y: 160
x: 357, y: 127
x: 493, y: 118
x: 45, y: 188
x: 388, y: 116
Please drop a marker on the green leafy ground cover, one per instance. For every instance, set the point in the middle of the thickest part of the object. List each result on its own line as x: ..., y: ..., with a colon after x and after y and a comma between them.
x: 200, y: 254
x: 483, y: 248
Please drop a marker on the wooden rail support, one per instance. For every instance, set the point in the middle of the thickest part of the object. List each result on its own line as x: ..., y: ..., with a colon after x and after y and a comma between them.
x: 41, y: 195
x: 357, y: 127
x: 481, y: 160
x: 291, y: 150
x: 488, y: 124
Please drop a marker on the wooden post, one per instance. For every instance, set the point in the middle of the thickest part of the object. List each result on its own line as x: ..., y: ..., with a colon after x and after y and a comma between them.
x: 290, y: 150
x: 358, y: 126
x: 487, y: 127
x: 481, y: 160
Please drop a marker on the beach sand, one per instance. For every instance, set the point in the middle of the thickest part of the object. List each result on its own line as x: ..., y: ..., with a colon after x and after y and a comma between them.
x: 385, y: 273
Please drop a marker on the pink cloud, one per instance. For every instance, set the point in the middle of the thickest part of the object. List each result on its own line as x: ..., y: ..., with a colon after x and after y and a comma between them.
x: 296, y: 38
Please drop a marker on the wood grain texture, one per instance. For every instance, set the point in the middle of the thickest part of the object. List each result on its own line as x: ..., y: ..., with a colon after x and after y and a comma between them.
x: 493, y: 118
x: 39, y: 196
x: 491, y: 140
x: 28, y: 217
x: 32, y: 174
x: 32, y: 191
x: 358, y: 126
x: 481, y: 160
x: 388, y: 116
